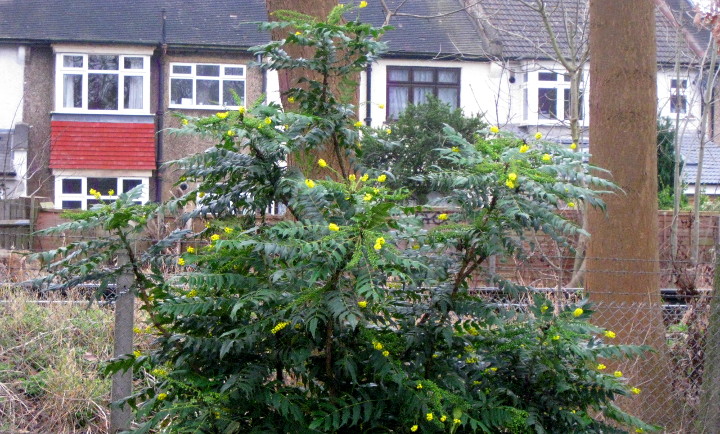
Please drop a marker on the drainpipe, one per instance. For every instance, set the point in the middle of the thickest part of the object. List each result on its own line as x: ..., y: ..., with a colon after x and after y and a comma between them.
x: 368, y: 95
x: 258, y: 60
x: 160, y: 113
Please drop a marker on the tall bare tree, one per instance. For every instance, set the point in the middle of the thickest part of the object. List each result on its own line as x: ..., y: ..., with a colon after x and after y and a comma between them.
x: 623, y: 261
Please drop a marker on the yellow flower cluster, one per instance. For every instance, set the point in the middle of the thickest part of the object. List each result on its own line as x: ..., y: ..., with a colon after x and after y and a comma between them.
x: 181, y: 261
x: 365, y: 177
x: 267, y: 121
x: 414, y: 428
x: 635, y: 390
x: 377, y: 345
x: 571, y: 204
x: 419, y: 386
x: 609, y: 334
x: 322, y: 163
x: 137, y: 353
x: 379, y: 242
x: 455, y: 149
x: 291, y: 99
x: 577, y: 312
x: 242, y: 110
x: 429, y: 417
x: 544, y: 308
x: 310, y: 183
x: 333, y: 227
x: 222, y: 115
x: 362, y: 304
x: 494, y: 129
x: 191, y: 249
x: 388, y: 130
x: 457, y: 421
x: 524, y: 148
x: 617, y: 374
x: 159, y: 372
x: 386, y: 353
x: 214, y: 237
x: 600, y: 367
x: 442, y: 217
x: 358, y: 124
x: 279, y: 326
x: 230, y: 133
x: 556, y: 338
x: 367, y: 197
x: 95, y: 193
x: 573, y: 146
x: 185, y: 122
x: 546, y: 157
x: 382, y: 178
x: 162, y: 396
x: 362, y: 4
x: 538, y: 136
x: 192, y: 293
x: 228, y: 230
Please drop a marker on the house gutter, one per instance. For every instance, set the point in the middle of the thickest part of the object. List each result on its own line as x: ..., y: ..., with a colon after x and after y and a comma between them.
x: 160, y: 113
x: 368, y: 95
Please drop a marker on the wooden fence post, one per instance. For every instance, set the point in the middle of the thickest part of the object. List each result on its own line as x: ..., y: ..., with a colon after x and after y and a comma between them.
x: 120, y: 417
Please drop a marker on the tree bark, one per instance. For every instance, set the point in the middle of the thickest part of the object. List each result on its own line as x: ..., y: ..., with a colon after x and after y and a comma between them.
x: 622, y: 274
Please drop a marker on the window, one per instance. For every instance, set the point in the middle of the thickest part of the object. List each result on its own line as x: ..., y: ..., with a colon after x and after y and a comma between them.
x: 546, y: 97
x: 102, y: 83
x: 74, y: 192
x: 206, y: 85
x: 678, y: 99
x: 412, y: 85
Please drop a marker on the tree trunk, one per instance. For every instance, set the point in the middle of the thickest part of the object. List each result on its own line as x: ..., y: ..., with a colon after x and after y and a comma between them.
x: 288, y: 78
x: 622, y: 272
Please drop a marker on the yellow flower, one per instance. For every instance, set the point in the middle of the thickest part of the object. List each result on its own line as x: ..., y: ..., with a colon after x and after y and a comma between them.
x: 600, y: 367
x: 414, y: 427
x: 228, y: 230
x: 538, y: 136
x: 639, y: 430
x: 137, y: 353
x: 310, y: 183
x: 380, y: 240
x: 573, y: 146
x: 159, y: 372
x: 111, y: 192
x: 429, y: 417
x: 362, y: 304
x: 214, y: 237
x: 635, y: 390
x: 388, y: 130
x: 290, y: 98
x: 185, y: 122
x: 381, y: 106
x: 268, y: 121
x: 419, y: 386
x: 230, y: 133
x: 386, y: 353
x: 358, y: 124
x: 333, y: 227
x: 368, y: 197
x: 377, y: 246
x: 296, y: 34
x: 241, y: 109
x: 512, y: 176
x: 137, y: 330
x: 609, y: 334
x: 524, y: 149
x: 279, y: 327
x: 365, y: 177
x: 546, y: 157
x: 416, y: 247
x: 222, y: 115
x: 493, y: 369
x: 457, y: 421
x: 571, y: 204
x: 162, y: 396
x: 201, y: 194
x: 617, y: 374
x: 352, y: 177
x: 181, y: 261
x: 443, y: 418
x: 362, y: 4
x: 442, y: 217
x: 577, y: 312
x: 494, y: 129
x: 322, y: 163
x: 556, y: 338
x: 192, y: 293
x: 510, y: 184
x: 455, y: 149
x: 544, y: 308
x: 377, y: 345
x: 191, y: 249
x: 382, y: 178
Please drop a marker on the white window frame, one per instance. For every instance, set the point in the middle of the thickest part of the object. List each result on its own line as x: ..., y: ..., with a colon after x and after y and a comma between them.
x: 85, y: 195
x: 194, y: 77
x: 531, y: 96
x: 679, y: 94
x: 61, y: 70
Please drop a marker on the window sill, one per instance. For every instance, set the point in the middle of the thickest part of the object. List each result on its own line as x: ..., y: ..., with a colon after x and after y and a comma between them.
x: 203, y: 107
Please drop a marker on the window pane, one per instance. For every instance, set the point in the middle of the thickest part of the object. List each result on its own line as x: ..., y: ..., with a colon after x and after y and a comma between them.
x: 547, y: 103
x: 182, y: 69
x: 102, y: 63
x: 73, y: 61
x: 566, y: 103
x: 72, y: 91
x: 445, y: 76
x: 102, y: 91
x: 103, y: 185
x: 525, y: 103
x: 547, y: 76
x: 72, y: 186
x: 398, y: 75
x: 233, y: 89
x: 208, y: 70
x: 208, y: 92
x: 420, y: 94
x: 181, y: 91
x: 129, y: 184
x: 397, y: 101
x: 678, y: 103
x: 71, y: 204
x: 449, y: 95
x: 674, y: 83
x: 234, y: 70
x: 133, y: 92
x: 423, y: 75
x: 134, y: 62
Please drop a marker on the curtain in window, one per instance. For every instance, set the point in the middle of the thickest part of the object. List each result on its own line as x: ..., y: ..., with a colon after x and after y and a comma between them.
x: 133, y: 92
x: 420, y: 94
x: 397, y: 101
x: 449, y: 95
x: 72, y: 91
x: 423, y: 75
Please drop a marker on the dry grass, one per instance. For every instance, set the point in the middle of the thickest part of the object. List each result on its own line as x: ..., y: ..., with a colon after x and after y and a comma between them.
x: 50, y: 361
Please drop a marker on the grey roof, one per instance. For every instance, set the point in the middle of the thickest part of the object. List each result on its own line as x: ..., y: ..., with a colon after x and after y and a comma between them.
x: 689, y: 148
x: 520, y: 30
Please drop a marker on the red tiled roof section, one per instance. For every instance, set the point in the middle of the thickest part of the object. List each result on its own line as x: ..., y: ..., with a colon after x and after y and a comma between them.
x: 102, y: 145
